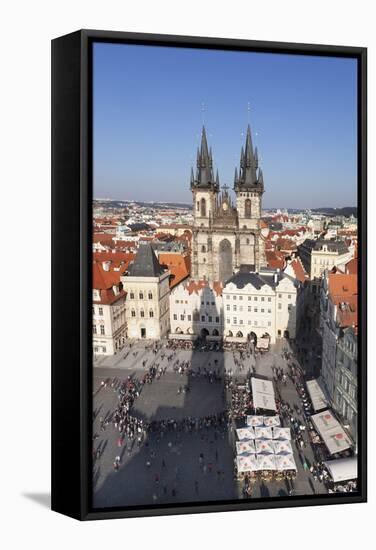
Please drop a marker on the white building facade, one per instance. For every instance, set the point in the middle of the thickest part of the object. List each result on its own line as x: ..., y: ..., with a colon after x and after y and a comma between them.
x: 249, y: 304
x: 260, y: 304
x: 148, y: 296
x: 196, y: 309
x: 109, y: 312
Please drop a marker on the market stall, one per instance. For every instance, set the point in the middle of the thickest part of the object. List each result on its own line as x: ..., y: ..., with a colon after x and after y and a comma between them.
x: 246, y: 463
x: 245, y: 447
x: 272, y: 421
x: 263, y: 432
x: 331, y: 432
x: 319, y: 402
x: 263, y: 394
x: 264, y: 446
x: 255, y: 420
x: 285, y: 462
x: 245, y: 433
x: 342, y: 469
x: 282, y: 447
x: 281, y: 433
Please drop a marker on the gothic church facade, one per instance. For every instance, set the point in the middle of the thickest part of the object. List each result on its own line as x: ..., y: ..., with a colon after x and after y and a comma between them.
x: 226, y: 236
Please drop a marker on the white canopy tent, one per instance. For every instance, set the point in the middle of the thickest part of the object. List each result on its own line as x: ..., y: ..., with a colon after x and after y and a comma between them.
x: 263, y: 394
x: 264, y: 446
x: 246, y: 463
x: 245, y: 447
x: 245, y: 433
x: 266, y: 462
x: 317, y: 396
x: 342, y: 469
x: 285, y: 462
x: 272, y: 421
x: 263, y: 432
x: 282, y: 447
x: 255, y: 420
x: 281, y: 433
x: 331, y: 432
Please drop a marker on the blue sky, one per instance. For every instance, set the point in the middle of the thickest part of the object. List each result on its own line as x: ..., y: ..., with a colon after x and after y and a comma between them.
x: 148, y: 118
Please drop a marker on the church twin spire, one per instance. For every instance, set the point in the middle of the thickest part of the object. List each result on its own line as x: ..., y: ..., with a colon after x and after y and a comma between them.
x: 204, y: 171
x: 249, y: 177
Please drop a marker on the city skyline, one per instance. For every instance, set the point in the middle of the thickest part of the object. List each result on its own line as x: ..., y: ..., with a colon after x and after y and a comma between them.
x: 148, y: 114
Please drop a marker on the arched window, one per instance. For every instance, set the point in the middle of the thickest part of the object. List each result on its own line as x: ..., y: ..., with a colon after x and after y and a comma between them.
x: 239, y: 334
x: 203, y: 207
x: 203, y: 248
x: 247, y: 208
x: 225, y: 260
x: 215, y: 332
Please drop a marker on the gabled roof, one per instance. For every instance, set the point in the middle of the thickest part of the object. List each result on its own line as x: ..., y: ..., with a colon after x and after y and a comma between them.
x: 343, y: 292
x: 146, y: 263
x: 178, y: 265
x: 242, y: 279
x: 195, y: 285
x: 298, y: 270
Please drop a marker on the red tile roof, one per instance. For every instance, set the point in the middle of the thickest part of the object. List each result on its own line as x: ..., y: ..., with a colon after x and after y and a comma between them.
x: 197, y: 285
x: 343, y: 292
x: 118, y: 259
x: 104, y: 281
x: 351, y: 268
x: 299, y: 271
x: 178, y: 265
x: 274, y: 259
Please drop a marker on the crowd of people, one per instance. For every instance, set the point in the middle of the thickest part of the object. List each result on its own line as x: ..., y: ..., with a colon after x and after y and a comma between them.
x: 237, y: 398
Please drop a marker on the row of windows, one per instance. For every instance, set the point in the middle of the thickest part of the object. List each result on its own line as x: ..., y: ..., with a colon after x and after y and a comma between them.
x: 141, y: 295
x: 241, y: 322
x: 142, y: 313
x: 182, y: 317
x: 204, y: 318
x: 323, y: 261
x: 255, y: 309
x: 255, y: 298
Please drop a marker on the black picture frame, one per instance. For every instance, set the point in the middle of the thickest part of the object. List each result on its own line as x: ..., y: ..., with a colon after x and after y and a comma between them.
x: 71, y: 274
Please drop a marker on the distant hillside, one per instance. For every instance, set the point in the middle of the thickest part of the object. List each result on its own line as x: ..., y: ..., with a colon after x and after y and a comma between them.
x: 156, y: 205
x: 345, y: 211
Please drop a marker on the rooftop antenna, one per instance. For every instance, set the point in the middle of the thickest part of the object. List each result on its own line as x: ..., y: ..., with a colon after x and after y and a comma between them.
x: 248, y: 111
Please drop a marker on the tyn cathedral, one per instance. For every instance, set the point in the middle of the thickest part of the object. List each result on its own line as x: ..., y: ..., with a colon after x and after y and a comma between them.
x: 226, y: 236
